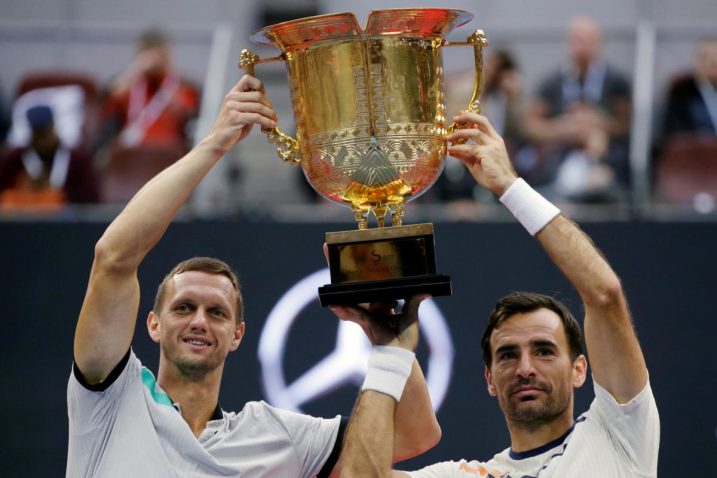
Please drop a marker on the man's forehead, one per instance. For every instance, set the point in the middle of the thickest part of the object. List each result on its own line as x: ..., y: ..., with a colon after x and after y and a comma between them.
x: 539, y: 324
x: 201, y: 280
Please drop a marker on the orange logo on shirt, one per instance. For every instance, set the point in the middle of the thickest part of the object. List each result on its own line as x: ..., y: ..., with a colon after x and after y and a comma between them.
x: 480, y: 470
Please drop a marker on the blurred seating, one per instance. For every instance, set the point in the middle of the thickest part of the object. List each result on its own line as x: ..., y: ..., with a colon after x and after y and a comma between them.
x: 73, y: 96
x: 687, y: 167
x: 49, y: 78
x: 130, y: 168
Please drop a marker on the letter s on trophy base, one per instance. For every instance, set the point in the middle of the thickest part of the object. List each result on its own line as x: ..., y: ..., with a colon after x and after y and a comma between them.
x: 383, y: 264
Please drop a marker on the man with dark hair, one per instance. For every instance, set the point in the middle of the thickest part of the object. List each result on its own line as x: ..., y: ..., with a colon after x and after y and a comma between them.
x: 533, y: 356
x: 523, y: 302
x: 124, y: 420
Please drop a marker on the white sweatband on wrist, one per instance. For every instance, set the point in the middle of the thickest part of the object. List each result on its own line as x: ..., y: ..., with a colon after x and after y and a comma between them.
x: 531, y: 209
x: 388, y: 370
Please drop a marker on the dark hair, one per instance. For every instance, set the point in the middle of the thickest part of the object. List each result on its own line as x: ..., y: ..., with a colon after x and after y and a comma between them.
x: 202, y: 264
x: 152, y: 38
x: 505, y: 62
x: 522, y: 302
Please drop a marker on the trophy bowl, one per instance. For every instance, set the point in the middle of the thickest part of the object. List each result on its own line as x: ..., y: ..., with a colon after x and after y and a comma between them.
x: 369, y: 107
x: 369, y: 104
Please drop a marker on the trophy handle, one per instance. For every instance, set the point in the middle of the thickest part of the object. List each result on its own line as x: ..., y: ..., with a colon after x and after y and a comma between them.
x: 288, y: 149
x: 479, y: 41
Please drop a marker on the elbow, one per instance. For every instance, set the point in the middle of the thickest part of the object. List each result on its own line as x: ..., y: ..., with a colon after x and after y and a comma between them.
x: 609, y: 295
x: 110, y: 259
x: 421, y: 443
x: 433, y: 437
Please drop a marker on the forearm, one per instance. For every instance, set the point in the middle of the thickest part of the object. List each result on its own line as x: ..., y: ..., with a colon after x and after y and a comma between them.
x: 370, y: 436
x: 416, y: 426
x: 146, y: 217
x: 576, y: 256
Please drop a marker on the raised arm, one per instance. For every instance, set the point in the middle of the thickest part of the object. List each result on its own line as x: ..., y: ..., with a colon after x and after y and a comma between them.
x: 384, y: 429
x: 109, y: 311
x: 615, y: 355
x: 416, y: 427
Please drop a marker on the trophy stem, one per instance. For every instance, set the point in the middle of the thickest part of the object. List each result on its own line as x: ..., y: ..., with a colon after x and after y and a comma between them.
x: 397, y: 216
x: 361, y: 217
x: 380, y: 212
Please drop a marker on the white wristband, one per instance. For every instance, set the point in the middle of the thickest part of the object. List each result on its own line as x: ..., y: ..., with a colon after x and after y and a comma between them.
x: 388, y: 370
x: 531, y: 209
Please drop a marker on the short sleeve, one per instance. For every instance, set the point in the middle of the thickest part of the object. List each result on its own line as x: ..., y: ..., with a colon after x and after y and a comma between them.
x: 88, y: 409
x: 633, y: 426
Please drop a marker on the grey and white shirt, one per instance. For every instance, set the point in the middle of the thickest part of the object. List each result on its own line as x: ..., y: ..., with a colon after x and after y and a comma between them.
x: 609, y: 440
x: 132, y: 429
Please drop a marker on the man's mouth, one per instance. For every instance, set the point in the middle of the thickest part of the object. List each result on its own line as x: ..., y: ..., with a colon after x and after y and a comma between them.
x: 196, y: 342
x: 527, y: 392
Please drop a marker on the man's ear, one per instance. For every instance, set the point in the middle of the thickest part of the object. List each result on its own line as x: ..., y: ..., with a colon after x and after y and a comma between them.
x: 580, y: 371
x: 238, y: 335
x: 489, y: 380
x: 153, y: 326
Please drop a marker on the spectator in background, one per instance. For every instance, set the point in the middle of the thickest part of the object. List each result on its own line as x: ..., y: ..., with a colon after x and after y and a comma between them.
x: 45, y: 174
x: 149, y: 103
x: 579, y: 124
x: 501, y: 102
x: 692, y: 99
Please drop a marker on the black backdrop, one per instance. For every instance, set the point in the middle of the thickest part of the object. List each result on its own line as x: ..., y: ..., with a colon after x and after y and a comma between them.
x: 668, y: 270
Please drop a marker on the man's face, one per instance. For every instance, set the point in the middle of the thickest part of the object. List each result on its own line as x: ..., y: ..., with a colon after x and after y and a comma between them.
x: 532, y: 373
x: 154, y: 60
x: 584, y: 41
x: 197, y: 327
x: 706, y: 61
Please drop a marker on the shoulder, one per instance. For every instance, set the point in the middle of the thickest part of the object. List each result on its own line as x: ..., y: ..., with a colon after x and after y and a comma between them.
x: 682, y: 86
x: 262, y: 411
x: 11, y: 157
x: 637, y: 417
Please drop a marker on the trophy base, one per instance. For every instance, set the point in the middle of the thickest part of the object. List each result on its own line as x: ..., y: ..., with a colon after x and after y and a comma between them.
x: 383, y: 264
x: 387, y: 290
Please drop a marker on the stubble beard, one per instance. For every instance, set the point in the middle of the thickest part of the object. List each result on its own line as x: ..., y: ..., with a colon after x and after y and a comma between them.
x: 193, y: 368
x: 533, y: 414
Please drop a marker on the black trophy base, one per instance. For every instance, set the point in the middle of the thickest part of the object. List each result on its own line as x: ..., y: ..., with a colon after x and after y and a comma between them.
x: 385, y: 290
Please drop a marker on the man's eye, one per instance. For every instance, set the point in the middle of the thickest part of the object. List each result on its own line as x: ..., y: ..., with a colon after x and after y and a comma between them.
x: 507, y: 355
x: 544, y: 351
x: 182, y: 308
x: 219, y: 313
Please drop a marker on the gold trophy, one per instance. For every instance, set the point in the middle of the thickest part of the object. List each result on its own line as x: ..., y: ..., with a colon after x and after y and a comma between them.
x: 370, y: 119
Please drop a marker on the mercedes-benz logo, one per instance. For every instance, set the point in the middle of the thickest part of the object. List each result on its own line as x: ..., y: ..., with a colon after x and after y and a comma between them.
x: 347, y: 362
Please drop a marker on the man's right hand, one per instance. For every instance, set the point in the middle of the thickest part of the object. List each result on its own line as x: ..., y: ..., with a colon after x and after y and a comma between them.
x: 245, y: 105
x: 483, y: 152
x: 384, y: 326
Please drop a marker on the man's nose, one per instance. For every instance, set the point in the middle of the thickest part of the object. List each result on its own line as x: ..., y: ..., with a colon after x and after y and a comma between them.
x: 525, y: 366
x: 199, y: 319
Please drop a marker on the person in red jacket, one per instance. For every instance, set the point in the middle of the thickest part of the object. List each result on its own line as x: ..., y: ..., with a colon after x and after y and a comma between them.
x: 149, y: 103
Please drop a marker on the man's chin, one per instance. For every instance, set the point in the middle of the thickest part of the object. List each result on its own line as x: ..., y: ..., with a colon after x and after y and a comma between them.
x: 195, y: 367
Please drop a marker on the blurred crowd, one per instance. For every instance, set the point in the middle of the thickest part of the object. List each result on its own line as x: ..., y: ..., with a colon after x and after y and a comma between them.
x: 571, y: 137
x: 68, y: 143
x: 65, y: 140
